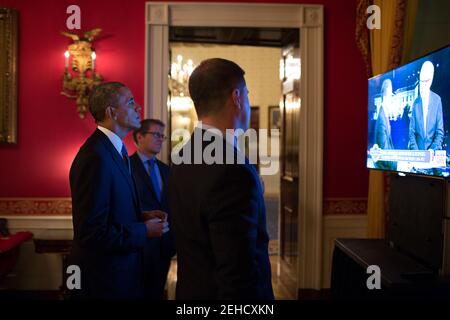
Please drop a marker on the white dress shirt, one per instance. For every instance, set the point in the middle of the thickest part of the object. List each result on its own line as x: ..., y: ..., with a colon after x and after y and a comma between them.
x: 114, y: 138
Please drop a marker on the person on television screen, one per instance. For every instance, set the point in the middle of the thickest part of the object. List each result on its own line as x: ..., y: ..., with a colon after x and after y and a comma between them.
x: 383, y: 136
x: 426, y: 128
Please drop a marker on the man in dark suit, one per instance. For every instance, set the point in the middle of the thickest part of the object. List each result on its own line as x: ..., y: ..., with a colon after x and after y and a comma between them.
x: 109, y: 232
x: 151, y: 176
x: 218, y: 213
x: 383, y: 136
x: 426, y: 129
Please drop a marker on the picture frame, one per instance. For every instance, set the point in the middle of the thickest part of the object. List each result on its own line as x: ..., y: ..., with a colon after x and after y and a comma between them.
x: 274, y: 118
x: 254, y: 117
x: 8, y: 75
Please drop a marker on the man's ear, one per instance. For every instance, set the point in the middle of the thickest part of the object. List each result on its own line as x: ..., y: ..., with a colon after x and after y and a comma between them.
x: 236, y: 97
x: 110, y: 113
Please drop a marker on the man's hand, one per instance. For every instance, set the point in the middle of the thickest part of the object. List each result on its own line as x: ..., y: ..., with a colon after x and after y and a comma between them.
x: 156, y: 227
x: 147, y: 215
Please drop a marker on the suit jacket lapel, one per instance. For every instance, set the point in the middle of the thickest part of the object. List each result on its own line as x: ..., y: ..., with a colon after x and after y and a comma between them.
x: 431, y: 112
x: 388, y: 124
x: 388, y: 129
x: 164, y: 171
x: 119, y: 162
x: 163, y: 174
x: 420, y: 118
x: 143, y: 173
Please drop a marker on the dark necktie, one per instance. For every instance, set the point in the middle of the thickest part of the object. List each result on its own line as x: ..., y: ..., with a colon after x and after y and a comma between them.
x: 154, y: 178
x: 125, y: 157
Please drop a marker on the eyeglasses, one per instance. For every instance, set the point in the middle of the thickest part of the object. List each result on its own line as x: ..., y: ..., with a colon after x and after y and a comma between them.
x: 156, y: 135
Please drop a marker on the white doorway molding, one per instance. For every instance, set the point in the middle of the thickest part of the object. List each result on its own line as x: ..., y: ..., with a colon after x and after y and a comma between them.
x: 160, y: 16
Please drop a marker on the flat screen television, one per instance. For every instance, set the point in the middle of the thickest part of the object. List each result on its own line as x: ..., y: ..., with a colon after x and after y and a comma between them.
x: 409, y: 117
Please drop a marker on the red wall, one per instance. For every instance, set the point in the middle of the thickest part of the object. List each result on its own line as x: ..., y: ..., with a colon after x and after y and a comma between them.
x: 50, y: 131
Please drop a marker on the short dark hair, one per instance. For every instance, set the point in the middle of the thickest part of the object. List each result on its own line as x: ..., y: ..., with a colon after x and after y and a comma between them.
x: 104, y: 95
x: 211, y: 83
x: 145, y: 125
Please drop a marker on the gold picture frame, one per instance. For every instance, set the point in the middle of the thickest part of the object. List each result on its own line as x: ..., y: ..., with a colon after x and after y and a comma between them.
x: 274, y: 118
x: 8, y: 75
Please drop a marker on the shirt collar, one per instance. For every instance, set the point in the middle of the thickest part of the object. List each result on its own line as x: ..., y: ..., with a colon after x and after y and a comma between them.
x: 144, y: 158
x: 229, y: 138
x: 114, y: 138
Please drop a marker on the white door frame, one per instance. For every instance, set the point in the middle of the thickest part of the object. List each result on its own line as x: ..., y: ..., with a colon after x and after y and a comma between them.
x: 309, y: 19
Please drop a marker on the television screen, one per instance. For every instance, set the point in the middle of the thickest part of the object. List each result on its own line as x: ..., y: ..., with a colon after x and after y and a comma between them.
x: 409, y: 117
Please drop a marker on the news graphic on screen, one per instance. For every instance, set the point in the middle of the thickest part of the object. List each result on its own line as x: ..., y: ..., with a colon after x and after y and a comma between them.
x: 409, y: 117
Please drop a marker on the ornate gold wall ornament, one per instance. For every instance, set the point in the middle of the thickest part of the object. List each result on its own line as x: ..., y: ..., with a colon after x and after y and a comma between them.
x: 78, y: 83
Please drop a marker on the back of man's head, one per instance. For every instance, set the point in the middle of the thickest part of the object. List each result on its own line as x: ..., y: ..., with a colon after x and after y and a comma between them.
x: 102, y: 96
x: 211, y: 84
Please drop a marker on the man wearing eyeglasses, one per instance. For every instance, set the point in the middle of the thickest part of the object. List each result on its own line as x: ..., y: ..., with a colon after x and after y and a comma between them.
x: 426, y: 129
x: 151, y: 176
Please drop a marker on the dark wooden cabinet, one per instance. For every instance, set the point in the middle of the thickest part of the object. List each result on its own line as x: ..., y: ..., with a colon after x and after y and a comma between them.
x: 400, y: 276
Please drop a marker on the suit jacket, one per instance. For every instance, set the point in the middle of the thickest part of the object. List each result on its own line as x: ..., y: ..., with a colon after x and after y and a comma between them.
x: 383, y: 131
x: 219, y: 225
x: 434, y: 135
x: 383, y: 139
x: 158, y: 251
x: 108, y: 235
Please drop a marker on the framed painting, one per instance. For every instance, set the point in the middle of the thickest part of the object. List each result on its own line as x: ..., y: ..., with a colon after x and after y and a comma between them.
x: 8, y: 75
x: 254, y: 117
x: 274, y: 118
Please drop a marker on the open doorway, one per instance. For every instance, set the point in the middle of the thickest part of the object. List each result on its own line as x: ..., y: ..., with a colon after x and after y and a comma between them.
x: 308, y: 19
x: 267, y: 56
